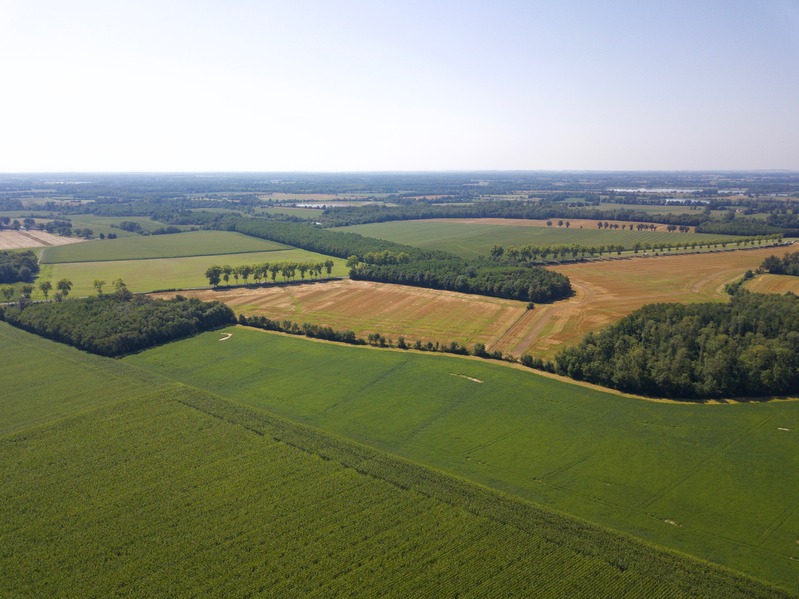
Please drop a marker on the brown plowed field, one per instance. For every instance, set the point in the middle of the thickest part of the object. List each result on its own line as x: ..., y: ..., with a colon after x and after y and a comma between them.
x: 605, y: 291
x: 13, y: 240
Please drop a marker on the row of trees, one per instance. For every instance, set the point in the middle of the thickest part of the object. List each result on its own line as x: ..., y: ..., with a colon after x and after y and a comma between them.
x: 111, y: 325
x: 748, y: 347
x: 533, y: 253
x: 260, y: 272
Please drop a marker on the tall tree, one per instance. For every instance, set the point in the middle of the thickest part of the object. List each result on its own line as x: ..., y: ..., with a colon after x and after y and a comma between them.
x: 98, y: 286
x: 64, y: 286
x: 45, y: 287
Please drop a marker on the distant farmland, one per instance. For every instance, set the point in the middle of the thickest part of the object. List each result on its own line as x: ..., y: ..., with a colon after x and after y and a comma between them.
x: 473, y: 237
x: 178, y: 245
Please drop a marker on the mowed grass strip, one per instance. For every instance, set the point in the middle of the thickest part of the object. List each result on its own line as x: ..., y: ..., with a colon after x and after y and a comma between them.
x: 174, y: 491
x: 367, y: 307
x: 715, y: 481
x: 168, y: 273
x: 178, y: 245
x: 470, y: 238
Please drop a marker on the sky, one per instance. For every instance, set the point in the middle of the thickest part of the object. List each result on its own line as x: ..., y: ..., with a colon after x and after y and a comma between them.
x: 357, y: 85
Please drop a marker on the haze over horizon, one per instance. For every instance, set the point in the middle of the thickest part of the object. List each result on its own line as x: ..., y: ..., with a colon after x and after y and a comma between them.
x: 249, y: 86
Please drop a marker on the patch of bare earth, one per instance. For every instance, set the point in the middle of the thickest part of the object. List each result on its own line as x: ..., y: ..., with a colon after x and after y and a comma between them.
x: 14, y: 240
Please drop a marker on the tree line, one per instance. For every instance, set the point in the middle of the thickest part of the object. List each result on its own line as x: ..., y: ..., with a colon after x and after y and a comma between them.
x: 113, y: 325
x: 536, y: 253
x: 259, y: 272
x: 747, y: 347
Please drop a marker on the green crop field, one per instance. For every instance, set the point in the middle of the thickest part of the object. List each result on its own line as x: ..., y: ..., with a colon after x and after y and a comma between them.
x: 117, y: 482
x: 102, y: 224
x: 168, y: 273
x: 471, y: 239
x: 715, y: 481
x: 179, y: 245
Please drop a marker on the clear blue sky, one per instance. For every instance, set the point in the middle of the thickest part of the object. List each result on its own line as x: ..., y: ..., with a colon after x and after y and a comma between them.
x: 235, y: 85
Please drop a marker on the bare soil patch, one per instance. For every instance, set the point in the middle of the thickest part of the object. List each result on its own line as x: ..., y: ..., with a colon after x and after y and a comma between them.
x: 13, y: 240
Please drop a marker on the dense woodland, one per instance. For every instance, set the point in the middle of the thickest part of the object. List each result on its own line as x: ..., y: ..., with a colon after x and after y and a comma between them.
x: 112, y: 326
x: 787, y: 265
x: 18, y: 266
x: 748, y: 347
x: 482, y: 277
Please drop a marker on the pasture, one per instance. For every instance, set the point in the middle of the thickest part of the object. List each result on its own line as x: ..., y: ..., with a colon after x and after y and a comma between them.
x: 169, y: 273
x: 470, y: 238
x: 178, y: 245
x: 714, y: 481
x: 102, y: 224
x: 118, y: 482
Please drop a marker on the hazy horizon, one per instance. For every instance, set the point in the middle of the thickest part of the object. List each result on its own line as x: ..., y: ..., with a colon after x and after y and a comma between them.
x: 251, y: 87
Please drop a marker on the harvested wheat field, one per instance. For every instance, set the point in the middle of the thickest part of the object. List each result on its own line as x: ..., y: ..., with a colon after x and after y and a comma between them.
x: 605, y: 291
x: 774, y: 284
x: 13, y: 240
x: 366, y: 307
x: 608, y: 290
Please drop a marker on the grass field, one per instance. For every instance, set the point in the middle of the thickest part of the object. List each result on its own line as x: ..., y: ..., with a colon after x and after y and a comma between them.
x: 102, y: 224
x: 179, y: 245
x: 469, y: 238
x: 605, y: 291
x: 168, y: 273
x: 715, y: 481
x: 117, y: 482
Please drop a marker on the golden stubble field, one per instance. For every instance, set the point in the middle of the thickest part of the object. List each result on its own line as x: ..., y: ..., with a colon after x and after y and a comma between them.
x: 14, y: 240
x: 605, y: 291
